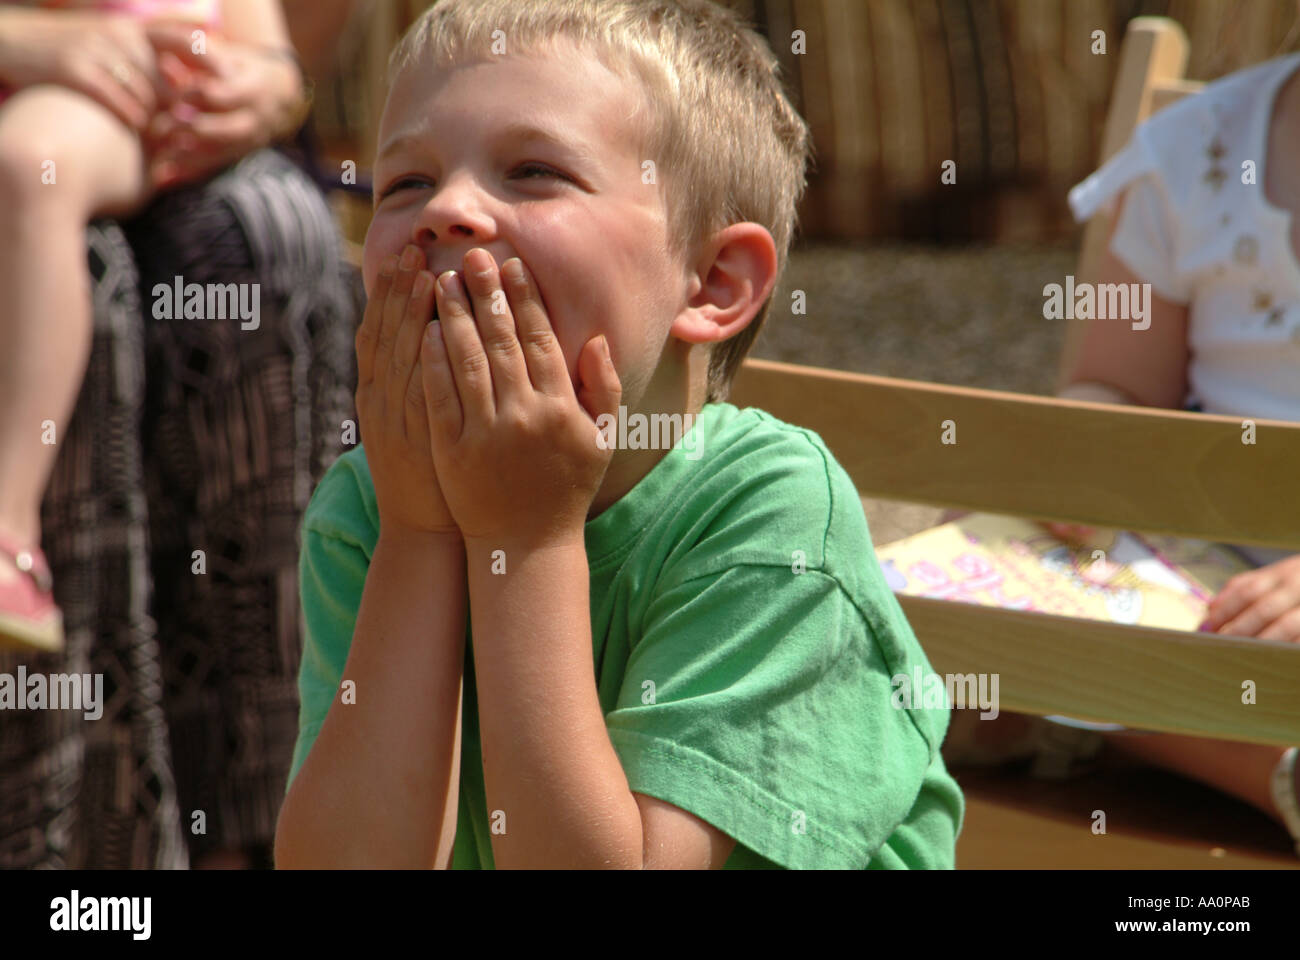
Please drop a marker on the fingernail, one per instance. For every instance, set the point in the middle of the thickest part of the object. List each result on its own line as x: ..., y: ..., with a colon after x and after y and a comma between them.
x: 423, y: 283
x: 513, y: 269
x: 447, y: 283
x: 408, y: 258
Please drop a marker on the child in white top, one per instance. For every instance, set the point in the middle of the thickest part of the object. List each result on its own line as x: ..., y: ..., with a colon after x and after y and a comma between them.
x: 1200, y: 226
x: 1206, y: 192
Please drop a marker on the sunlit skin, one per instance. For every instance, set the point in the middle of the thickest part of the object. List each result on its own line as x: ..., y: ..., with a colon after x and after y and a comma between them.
x: 510, y: 398
x: 450, y: 175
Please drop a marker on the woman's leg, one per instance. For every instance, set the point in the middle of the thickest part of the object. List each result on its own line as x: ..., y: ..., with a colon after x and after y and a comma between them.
x: 240, y: 424
x: 64, y: 159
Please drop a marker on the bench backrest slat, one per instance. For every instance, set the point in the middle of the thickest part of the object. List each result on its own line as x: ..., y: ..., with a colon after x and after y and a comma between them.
x: 1169, y: 680
x: 1138, y: 468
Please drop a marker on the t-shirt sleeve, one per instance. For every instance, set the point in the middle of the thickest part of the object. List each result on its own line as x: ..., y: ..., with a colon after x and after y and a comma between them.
x: 1145, y: 239
x: 759, y: 700
x: 332, y: 573
x: 326, y: 568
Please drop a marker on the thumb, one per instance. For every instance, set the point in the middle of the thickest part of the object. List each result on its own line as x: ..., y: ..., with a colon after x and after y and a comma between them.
x: 174, y: 72
x: 179, y: 41
x: 1070, y: 532
x: 601, y: 388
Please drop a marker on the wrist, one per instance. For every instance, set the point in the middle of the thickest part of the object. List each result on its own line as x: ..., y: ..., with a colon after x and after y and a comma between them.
x: 404, y: 537
x: 513, y: 545
x: 295, y: 92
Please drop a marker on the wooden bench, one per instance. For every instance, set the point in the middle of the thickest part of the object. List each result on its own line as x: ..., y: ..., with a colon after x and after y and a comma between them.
x: 1137, y: 468
x: 1121, y: 467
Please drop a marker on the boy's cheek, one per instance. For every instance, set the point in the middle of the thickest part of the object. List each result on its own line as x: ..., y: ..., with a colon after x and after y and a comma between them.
x: 367, y: 275
x: 379, y: 242
x: 369, y: 268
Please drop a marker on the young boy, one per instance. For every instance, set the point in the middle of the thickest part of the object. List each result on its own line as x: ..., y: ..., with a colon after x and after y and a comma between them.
x: 531, y: 641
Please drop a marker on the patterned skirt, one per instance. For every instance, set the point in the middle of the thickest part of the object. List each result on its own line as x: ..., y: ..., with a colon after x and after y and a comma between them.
x: 188, y: 436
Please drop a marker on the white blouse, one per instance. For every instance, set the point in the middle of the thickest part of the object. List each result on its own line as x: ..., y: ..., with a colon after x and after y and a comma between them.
x: 1201, y: 236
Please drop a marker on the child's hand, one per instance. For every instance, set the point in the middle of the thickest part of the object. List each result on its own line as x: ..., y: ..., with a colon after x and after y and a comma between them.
x: 390, y: 398
x: 1069, y: 532
x: 516, y: 452
x: 229, y: 100
x: 1263, y: 603
x: 106, y: 57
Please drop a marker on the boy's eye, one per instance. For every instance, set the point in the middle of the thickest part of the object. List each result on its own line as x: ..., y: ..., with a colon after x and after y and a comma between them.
x: 401, y: 185
x: 527, y: 171
x: 543, y: 170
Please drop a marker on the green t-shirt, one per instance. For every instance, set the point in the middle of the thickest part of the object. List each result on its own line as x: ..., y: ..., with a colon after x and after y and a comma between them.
x: 744, y: 642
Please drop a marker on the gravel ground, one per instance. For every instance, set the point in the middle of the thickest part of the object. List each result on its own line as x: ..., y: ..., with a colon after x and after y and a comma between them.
x: 970, y: 316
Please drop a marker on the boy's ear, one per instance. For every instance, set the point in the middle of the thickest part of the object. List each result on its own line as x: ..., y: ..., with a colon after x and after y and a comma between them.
x: 732, y: 279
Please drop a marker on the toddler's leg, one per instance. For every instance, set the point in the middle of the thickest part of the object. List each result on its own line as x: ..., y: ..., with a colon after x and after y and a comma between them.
x: 96, y: 167
x: 1242, y: 770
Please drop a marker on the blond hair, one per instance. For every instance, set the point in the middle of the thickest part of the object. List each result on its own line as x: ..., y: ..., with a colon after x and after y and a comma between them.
x: 728, y: 145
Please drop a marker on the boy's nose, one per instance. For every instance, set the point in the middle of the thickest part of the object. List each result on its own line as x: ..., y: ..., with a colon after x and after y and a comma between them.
x: 451, y: 215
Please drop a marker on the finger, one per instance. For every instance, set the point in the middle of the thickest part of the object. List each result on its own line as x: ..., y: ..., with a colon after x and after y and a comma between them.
x: 1070, y: 532
x: 1235, y: 597
x: 236, y: 126
x: 496, y: 328
x: 469, y: 364
x: 441, y: 398
x: 367, y: 338
x: 133, y: 78
x: 217, y: 94
x: 541, y: 350
x: 394, y: 309
x: 96, y: 83
x: 1265, y: 610
x: 178, y: 77
x: 135, y: 47
x: 601, y: 388
x: 162, y: 126
x: 1285, y: 628
x: 178, y: 41
x: 406, y: 356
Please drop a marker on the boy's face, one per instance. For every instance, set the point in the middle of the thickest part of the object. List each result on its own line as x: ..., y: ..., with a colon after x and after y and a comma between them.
x: 453, y: 174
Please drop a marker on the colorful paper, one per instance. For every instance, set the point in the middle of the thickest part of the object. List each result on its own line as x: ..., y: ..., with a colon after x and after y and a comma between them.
x: 1116, y: 576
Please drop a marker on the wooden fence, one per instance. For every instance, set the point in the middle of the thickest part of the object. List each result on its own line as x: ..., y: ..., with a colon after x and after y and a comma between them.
x: 1011, y: 91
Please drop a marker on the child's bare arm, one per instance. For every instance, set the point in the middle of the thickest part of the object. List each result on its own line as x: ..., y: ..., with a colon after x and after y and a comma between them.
x: 254, y: 21
x: 1117, y: 364
x: 380, y: 786
x: 518, y: 457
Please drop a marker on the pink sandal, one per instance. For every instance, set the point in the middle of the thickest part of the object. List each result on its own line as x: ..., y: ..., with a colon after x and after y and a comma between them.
x: 28, y: 615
